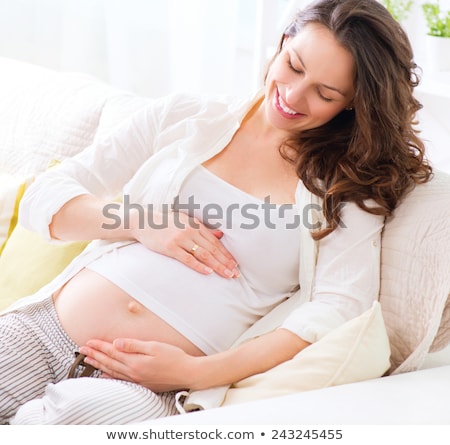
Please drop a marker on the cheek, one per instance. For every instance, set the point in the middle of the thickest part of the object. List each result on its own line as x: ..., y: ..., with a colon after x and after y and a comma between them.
x: 325, y: 111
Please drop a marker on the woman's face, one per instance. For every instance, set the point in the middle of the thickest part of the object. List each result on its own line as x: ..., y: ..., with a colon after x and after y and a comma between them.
x: 309, y: 82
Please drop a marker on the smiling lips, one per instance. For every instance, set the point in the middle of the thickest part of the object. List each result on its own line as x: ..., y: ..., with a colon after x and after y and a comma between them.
x: 284, y: 109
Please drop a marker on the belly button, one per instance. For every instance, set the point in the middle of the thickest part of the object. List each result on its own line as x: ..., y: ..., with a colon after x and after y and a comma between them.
x: 133, y: 307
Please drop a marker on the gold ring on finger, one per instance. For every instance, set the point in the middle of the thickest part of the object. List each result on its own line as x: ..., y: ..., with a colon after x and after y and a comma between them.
x: 193, y: 249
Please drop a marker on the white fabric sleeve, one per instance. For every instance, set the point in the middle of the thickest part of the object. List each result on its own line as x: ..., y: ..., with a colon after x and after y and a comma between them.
x: 102, y: 169
x: 347, y: 277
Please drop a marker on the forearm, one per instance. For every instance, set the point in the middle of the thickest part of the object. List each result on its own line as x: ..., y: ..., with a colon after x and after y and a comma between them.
x: 87, y: 217
x: 252, y: 357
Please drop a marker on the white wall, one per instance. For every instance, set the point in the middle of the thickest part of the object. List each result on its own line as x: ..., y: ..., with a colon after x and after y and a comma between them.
x: 153, y: 47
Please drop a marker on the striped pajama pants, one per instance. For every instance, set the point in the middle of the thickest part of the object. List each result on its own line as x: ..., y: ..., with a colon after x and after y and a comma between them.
x: 35, y: 357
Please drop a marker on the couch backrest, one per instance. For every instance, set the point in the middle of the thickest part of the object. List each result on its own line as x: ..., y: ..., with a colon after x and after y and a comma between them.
x: 47, y: 115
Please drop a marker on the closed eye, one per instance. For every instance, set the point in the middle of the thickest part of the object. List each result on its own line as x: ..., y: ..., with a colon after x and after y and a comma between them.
x: 301, y: 71
x: 296, y: 70
x: 326, y: 99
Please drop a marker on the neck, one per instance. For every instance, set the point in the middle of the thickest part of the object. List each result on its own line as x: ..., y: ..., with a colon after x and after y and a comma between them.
x: 256, y: 124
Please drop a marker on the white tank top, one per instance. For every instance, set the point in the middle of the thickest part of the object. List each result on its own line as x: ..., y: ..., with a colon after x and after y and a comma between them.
x: 212, y: 311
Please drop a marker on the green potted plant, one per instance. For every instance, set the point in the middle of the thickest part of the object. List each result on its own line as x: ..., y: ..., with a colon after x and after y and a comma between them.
x: 438, y: 36
x: 399, y: 9
x: 438, y: 21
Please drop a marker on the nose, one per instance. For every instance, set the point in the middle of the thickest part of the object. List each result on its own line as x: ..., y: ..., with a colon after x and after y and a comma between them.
x: 296, y: 91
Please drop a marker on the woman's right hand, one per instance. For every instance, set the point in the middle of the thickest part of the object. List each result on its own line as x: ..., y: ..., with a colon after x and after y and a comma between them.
x: 173, y: 234
x: 185, y: 238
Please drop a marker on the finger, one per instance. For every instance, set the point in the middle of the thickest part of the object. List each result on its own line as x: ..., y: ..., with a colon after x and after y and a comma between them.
x: 217, y: 233
x: 99, y: 345
x: 219, y: 256
x: 212, y: 236
x: 109, y: 366
x: 104, y: 353
x: 214, y: 259
x: 200, y: 249
x: 189, y: 260
x: 216, y: 248
x: 96, y: 346
x: 131, y: 345
x: 203, y: 262
x: 101, y: 351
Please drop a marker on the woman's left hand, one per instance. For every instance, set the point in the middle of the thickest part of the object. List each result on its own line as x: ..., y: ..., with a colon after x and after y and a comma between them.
x: 163, y: 367
x: 155, y: 365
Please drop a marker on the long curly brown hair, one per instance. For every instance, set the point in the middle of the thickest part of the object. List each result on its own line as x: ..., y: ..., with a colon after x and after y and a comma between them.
x: 372, y: 153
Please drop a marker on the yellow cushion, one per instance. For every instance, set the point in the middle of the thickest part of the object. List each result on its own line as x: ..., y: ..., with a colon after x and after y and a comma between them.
x: 358, y: 350
x: 11, y: 191
x: 28, y: 262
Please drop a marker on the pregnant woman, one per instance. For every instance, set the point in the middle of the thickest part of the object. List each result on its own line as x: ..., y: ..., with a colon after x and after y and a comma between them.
x: 209, y: 235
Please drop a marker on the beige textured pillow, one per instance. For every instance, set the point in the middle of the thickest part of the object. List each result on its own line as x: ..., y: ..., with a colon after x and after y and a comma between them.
x: 356, y: 351
x: 415, y: 274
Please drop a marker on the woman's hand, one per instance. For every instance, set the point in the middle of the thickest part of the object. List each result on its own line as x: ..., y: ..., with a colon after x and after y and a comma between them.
x: 186, y: 239
x: 155, y: 365
x: 162, y: 367
x: 174, y: 234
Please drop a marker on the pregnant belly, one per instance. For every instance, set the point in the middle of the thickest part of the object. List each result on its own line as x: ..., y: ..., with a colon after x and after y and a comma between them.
x: 90, y: 306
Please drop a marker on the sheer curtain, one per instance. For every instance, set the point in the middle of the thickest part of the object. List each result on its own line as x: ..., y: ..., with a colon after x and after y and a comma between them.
x: 154, y: 47
x: 151, y: 47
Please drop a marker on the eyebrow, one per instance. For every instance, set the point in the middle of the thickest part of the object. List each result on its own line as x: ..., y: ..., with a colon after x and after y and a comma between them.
x: 329, y: 87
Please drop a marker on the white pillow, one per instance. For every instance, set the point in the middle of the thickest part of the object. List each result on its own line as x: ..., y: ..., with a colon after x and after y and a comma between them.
x: 356, y: 351
x: 46, y: 114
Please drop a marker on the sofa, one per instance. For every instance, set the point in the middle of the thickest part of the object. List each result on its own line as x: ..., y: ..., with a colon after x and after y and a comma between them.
x: 398, y: 346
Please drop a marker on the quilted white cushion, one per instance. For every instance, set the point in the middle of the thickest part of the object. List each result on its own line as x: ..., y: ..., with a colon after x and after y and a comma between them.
x: 47, y: 115
x: 415, y: 274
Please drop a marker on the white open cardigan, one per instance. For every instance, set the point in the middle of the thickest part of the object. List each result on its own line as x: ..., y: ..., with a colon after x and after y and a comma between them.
x: 213, y: 125
x: 191, y: 140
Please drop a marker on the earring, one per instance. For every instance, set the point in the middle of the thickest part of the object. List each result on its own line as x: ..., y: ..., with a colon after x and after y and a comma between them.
x: 349, y: 109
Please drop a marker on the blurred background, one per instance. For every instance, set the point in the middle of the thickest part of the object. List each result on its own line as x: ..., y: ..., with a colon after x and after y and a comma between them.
x: 154, y: 47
